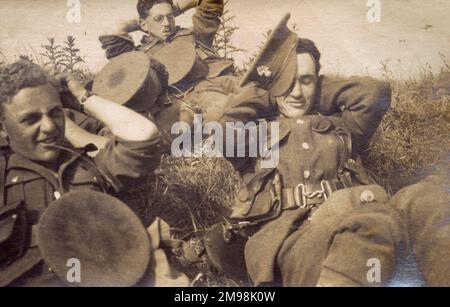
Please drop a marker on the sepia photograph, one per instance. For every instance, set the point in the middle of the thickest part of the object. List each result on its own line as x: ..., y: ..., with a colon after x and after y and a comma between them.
x: 224, y: 144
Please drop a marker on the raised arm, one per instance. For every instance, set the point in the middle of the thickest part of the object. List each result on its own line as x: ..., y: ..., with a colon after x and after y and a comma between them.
x: 206, y: 20
x: 133, y: 151
x: 361, y: 102
x: 116, y: 40
x: 123, y: 122
x: 79, y: 137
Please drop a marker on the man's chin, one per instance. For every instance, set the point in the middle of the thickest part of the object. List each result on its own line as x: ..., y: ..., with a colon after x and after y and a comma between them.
x: 293, y: 113
x: 47, y: 156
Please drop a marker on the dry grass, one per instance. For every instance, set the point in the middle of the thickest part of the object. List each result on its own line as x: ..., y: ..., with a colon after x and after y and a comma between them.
x: 414, y: 136
x: 191, y: 194
x: 412, y: 141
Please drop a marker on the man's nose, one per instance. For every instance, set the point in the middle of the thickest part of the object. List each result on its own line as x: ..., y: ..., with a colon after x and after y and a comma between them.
x: 47, y: 125
x: 166, y: 21
x: 297, y: 90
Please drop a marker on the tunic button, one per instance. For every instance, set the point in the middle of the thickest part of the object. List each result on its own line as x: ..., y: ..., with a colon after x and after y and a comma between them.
x: 367, y: 197
x: 57, y: 195
x: 94, y: 179
x: 300, y: 121
x: 306, y: 146
x: 15, y: 179
x: 306, y: 174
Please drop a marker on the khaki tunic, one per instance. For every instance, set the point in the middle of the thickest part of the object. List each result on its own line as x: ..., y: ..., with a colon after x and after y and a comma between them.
x: 305, y: 245
x: 114, y: 168
x: 201, y: 36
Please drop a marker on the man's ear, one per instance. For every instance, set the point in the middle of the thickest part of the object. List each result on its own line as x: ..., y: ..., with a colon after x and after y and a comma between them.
x: 143, y: 25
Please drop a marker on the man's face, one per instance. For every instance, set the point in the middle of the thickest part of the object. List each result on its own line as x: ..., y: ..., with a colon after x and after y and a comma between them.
x: 33, y: 120
x: 160, y: 21
x: 300, y: 99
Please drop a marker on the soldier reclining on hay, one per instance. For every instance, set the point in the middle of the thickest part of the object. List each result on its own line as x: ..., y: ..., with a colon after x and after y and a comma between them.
x: 37, y: 168
x: 317, y: 218
x: 198, y: 77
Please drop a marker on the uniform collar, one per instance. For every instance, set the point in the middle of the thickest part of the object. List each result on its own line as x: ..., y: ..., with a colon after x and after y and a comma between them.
x: 148, y: 41
x: 68, y: 156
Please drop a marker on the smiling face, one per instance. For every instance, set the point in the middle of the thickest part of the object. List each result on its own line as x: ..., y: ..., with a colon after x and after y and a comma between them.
x: 160, y: 21
x: 300, y: 99
x: 33, y: 120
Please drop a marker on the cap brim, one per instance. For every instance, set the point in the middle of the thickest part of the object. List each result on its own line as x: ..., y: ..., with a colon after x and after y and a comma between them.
x: 98, y: 232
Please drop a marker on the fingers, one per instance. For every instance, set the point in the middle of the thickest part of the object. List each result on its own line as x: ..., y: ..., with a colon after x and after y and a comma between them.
x: 165, y: 275
x: 75, y: 87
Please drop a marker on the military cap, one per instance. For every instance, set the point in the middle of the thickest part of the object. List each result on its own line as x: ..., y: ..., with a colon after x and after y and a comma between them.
x: 275, y: 66
x: 131, y: 80
x: 109, y: 241
x: 181, y: 62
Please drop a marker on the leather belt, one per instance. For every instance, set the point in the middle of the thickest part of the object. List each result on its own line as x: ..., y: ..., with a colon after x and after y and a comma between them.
x: 34, y: 236
x: 305, y: 195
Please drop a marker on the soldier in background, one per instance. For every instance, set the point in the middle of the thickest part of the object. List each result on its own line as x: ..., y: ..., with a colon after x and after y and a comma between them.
x: 198, y: 78
x: 316, y: 218
x: 37, y: 167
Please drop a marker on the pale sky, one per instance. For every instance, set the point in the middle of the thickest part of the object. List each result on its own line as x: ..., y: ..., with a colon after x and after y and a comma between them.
x: 411, y: 32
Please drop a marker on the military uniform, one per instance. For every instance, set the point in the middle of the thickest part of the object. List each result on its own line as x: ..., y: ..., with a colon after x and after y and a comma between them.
x: 425, y: 207
x: 206, y: 64
x: 28, y: 189
x: 197, y: 75
x: 317, y: 212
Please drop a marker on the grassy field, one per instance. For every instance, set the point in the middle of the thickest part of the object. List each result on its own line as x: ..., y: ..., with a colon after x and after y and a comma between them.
x: 192, y: 194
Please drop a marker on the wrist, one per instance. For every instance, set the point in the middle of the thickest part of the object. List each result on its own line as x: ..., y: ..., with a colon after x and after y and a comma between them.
x: 83, y: 98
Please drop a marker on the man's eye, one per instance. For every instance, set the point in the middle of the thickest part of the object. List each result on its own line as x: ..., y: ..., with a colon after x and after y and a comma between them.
x: 56, y: 113
x: 158, y: 18
x: 30, y: 120
x: 306, y: 80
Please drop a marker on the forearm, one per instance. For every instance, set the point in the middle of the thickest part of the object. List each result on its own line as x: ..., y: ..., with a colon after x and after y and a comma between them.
x: 182, y: 6
x: 206, y: 20
x: 123, y: 122
x: 79, y: 137
x: 124, y: 26
x: 361, y: 102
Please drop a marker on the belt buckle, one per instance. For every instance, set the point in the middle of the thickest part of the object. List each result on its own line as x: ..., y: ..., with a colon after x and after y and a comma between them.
x: 297, y: 195
x: 300, y: 190
x: 326, y: 189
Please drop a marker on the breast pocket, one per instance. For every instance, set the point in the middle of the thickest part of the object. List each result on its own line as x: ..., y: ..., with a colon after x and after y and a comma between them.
x: 82, y: 178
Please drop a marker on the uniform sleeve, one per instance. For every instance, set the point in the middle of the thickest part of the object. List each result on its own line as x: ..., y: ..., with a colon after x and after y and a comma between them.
x: 206, y: 20
x: 362, y: 102
x: 123, y: 162
x: 116, y: 44
x: 247, y: 104
x: 85, y: 121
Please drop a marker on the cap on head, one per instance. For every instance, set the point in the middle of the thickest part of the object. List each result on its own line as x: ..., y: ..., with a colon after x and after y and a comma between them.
x: 108, y: 239
x: 275, y: 66
x: 131, y: 79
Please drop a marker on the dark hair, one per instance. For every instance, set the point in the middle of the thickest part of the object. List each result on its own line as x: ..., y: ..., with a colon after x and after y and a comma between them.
x: 305, y: 45
x: 19, y: 75
x: 143, y: 6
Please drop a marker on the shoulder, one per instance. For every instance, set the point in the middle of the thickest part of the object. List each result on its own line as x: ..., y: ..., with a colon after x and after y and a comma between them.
x: 366, y: 83
x: 251, y: 91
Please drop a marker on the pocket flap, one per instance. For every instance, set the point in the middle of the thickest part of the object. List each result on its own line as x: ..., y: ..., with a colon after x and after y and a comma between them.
x: 9, y: 215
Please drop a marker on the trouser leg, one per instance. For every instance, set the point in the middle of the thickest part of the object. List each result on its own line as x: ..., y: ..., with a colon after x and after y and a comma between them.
x: 426, y: 209
x: 346, y: 244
